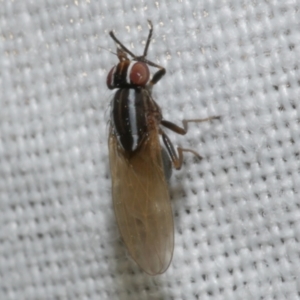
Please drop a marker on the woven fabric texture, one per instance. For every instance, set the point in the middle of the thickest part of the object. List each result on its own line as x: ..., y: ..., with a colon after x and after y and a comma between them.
x: 236, y: 212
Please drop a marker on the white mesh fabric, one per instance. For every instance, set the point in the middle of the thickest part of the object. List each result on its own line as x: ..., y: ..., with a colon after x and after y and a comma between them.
x: 236, y: 212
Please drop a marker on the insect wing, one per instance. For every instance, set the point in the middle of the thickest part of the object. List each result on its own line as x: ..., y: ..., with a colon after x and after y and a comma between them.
x: 142, y: 203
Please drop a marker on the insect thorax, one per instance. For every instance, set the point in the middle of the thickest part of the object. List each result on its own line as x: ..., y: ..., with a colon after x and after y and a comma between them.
x: 133, y: 112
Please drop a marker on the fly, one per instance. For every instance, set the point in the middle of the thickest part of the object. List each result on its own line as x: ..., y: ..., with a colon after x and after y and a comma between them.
x: 140, y: 166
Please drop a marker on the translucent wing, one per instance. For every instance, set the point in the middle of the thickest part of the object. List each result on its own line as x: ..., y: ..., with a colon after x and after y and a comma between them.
x: 142, y: 203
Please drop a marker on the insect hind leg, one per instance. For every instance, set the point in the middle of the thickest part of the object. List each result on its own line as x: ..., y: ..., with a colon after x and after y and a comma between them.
x: 177, y: 157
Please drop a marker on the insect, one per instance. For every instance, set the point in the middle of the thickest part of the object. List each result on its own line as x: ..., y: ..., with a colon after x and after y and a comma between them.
x: 140, y: 166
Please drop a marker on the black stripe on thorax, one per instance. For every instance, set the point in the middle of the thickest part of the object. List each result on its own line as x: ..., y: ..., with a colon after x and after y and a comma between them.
x: 130, y: 108
x: 120, y: 75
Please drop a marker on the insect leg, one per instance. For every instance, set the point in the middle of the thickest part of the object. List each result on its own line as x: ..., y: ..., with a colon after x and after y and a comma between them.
x: 176, y: 159
x: 121, y: 45
x: 149, y: 38
x: 157, y: 76
x: 162, y: 71
x: 184, y: 130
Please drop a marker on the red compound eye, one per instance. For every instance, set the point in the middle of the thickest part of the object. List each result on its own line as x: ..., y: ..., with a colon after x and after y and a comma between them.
x: 139, y: 74
x: 110, y: 78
